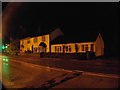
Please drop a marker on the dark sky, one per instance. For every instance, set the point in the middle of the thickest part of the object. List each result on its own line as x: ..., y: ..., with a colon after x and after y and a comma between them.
x: 72, y: 18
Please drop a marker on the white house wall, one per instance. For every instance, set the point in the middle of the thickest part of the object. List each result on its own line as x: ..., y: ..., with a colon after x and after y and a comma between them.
x: 85, y: 43
x: 57, y: 45
x: 35, y: 44
x: 72, y: 45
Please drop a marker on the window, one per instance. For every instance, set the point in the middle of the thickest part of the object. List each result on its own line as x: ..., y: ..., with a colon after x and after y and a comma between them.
x: 35, y: 39
x: 86, y: 47
x: 28, y: 41
x: 66, y: 48
x: 43, y: 38
x: 92, y: 48
x: 69, y: 48
x: 60, y: 49
x: 82, y: 47
x: 55, y: 49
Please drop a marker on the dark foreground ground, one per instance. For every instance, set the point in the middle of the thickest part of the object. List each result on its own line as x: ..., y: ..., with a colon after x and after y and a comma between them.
x: 30, y: 71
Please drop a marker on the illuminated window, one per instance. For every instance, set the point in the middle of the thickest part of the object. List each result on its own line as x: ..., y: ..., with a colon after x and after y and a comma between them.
x: 35, y: 40
x: 82, y: 47
x: 43, y: 38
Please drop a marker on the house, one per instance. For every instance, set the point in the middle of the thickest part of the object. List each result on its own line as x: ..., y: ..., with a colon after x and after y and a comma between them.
x: 58, y: 43
x: 40, y: 43
x: 85, y: 43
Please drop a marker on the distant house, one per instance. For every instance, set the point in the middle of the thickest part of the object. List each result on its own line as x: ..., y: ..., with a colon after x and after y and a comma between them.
x: 84, y: 44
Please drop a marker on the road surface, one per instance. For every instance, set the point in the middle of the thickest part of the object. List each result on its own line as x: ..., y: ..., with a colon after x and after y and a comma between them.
x: 99, y: 66
x: 19, y: 74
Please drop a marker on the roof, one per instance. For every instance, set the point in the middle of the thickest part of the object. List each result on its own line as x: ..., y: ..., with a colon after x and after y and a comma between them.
x: 40, y: 33
x: 79, y: 37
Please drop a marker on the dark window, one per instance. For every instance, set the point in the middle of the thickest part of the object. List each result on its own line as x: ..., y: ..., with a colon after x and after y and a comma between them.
x: 66, y: 48
x: 55, y: 48
x: 82, y: 47
x: 69, y: 48
x: 28, y: 41
x: 60, y: 49
x: 92, y: 47
x: 86, y: 47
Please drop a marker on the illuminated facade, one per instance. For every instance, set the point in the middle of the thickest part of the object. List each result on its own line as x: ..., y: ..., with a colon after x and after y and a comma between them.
x: 34, y: 44
x: 40, y: 43
x: 44, y: 44
x: 96, y: 46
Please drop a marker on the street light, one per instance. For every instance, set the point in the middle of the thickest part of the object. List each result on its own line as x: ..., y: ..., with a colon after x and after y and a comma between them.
x: 3, y: 47
x: 6, y: 46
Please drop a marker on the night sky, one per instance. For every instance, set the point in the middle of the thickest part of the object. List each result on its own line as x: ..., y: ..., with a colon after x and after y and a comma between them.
x: 72, y: 18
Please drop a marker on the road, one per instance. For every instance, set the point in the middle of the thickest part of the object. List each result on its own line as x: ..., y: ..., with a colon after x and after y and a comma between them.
x: 19, y: 74
x: 99, y: 66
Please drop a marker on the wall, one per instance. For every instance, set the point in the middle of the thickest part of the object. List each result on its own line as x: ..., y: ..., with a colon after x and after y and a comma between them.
x: 99, y: 46
x: 57, y: 45
x: 35, y: 44
x: 85, y: 43
x: 73, y: 47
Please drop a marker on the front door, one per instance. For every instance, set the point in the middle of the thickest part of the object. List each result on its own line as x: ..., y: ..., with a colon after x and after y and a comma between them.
x: 42, y: 47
